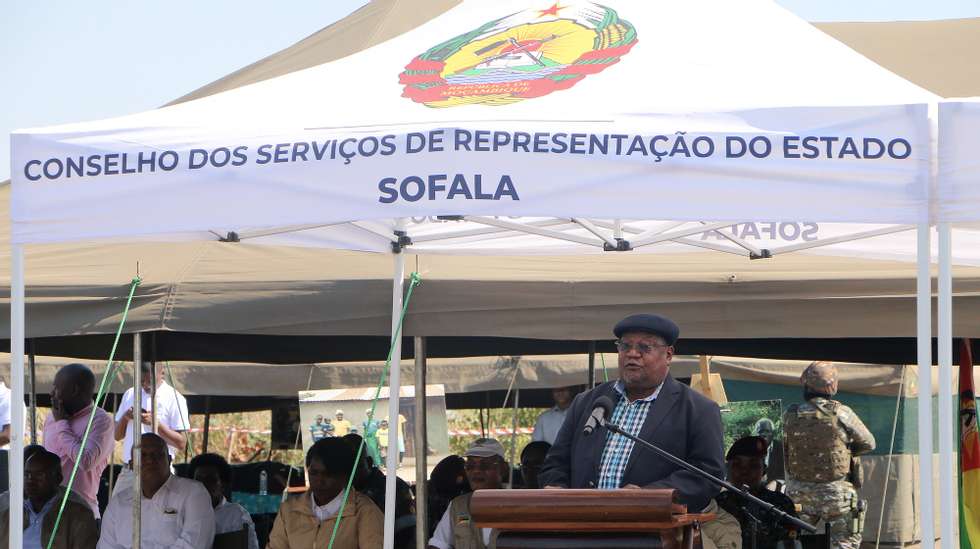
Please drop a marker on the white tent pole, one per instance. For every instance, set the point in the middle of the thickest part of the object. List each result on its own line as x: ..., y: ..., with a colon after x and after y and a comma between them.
x: 923, y: 324
x: 822, y: 242
x: 589, y: 226
x: 531, y: 229
x: 394, y: 391
x: 947, y: 482
x: 16, y: 464
x: 136, y: 424
x: 421, y: 445
x: 656, y: 237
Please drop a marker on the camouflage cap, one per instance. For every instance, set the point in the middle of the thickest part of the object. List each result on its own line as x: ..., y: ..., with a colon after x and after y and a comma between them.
x: 820, y: 376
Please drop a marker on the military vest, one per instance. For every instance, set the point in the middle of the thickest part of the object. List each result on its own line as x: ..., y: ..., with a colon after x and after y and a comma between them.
x: 816, y: 443
x: 465, y: 533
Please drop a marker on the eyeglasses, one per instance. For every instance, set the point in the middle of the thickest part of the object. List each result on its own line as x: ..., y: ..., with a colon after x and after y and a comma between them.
x: 643, y: 348
x: 485, y: 465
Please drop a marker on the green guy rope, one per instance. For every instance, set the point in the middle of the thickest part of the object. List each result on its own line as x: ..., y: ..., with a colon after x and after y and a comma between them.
x: 605, y: 374
x: 414, y: 280
x: 95, y: 406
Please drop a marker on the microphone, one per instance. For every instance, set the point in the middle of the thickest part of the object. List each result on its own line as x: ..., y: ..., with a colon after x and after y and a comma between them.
x: 601, y: 408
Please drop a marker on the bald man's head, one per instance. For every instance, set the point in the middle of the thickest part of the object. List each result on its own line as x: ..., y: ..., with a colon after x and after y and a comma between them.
x: 154, y: 463
x: 73, y: 387
x: 154, y: 441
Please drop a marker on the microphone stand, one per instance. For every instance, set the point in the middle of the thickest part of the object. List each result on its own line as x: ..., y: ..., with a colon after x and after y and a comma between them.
x: 769, y: 508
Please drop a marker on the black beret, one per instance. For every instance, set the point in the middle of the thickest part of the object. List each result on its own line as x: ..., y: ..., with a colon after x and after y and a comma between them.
x: 748, y: 447
x: 651, y: 324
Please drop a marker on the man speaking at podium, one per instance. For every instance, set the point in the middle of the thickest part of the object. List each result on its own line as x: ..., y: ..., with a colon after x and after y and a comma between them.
x: 651, y: 405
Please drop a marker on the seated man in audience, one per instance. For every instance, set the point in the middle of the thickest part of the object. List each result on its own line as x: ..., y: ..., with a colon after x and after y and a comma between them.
x: 307, y: 520
x: 71, y: 406
x: 176, y: 512
x: 42, y: 500
x: 532, y: 458
x: 486, y: 469
x: 214, y: 473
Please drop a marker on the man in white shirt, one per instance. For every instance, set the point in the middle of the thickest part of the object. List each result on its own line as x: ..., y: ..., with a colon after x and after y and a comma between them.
x: 486, y: 468
x: 172, y: 419
x: 176, y: 512
x: 547, y: 426
x: 214, y: 473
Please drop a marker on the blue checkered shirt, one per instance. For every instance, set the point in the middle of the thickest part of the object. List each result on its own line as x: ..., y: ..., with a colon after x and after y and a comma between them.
x: 630, y: 416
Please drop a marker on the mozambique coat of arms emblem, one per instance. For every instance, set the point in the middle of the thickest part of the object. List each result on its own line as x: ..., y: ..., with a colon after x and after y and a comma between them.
x: 521, y: 56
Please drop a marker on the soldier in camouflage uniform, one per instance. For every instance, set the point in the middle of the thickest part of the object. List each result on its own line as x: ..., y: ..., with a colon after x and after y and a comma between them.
x: 821, y: 437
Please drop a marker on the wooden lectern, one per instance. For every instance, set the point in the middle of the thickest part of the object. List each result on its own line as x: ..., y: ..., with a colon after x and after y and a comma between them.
x: 586, y: 519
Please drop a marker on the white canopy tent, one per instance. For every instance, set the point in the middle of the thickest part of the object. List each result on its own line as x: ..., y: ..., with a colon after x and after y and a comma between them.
x: 557, y: 129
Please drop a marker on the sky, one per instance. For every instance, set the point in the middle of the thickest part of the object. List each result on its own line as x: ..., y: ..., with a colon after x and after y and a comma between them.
x: 70, y: 61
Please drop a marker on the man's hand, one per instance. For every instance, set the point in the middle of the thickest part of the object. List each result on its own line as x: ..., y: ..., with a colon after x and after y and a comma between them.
x: 128, y: 415
x: 58, y: 409
x: 146, y: 418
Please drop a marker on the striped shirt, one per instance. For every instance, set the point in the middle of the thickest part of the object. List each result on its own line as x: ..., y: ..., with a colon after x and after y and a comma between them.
x: 629, y: 416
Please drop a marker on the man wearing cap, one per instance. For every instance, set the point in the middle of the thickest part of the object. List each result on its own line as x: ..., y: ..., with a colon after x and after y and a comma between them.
x: 651, y: 405
x: 747, y: 470
x: 486, y: 469
x: 821, y: 438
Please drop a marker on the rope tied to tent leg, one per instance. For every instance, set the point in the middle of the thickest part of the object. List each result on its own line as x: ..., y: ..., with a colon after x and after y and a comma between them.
x: 891, y: 452
x: 99, y: 398
x: 414, y: 280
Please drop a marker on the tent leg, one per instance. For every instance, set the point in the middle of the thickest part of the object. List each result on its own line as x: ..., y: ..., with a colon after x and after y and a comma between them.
x: 137, y: 427
x: 591, y: 382
x: 16, y: 455
x: 947, y: 482
x: 923, y: 323
x: 31, y: 357
x: 207, y: 423
x: 483, y: 424
x: 421, y: 448
x: 394, y: 392
x: 513, y: 436
x: 153, y: 395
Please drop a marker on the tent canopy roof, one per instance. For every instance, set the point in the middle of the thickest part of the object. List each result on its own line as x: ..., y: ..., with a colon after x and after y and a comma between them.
x: 207, y: 287
x: 629, y: 73
x: 936, y: 55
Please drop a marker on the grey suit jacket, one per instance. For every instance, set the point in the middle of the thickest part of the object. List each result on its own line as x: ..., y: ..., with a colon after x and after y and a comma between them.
x: 680, y: 421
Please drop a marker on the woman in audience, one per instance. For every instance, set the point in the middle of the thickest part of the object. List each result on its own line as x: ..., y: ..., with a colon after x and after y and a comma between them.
x: 447, y: 480
x: 308, y: 520
x: 214, y: 473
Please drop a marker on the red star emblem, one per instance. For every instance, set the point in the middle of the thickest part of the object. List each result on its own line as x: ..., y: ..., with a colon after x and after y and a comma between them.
x: 553, y: 10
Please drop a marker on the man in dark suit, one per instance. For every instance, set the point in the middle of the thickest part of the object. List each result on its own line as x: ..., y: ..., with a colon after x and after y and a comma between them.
x: 650, y: 404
